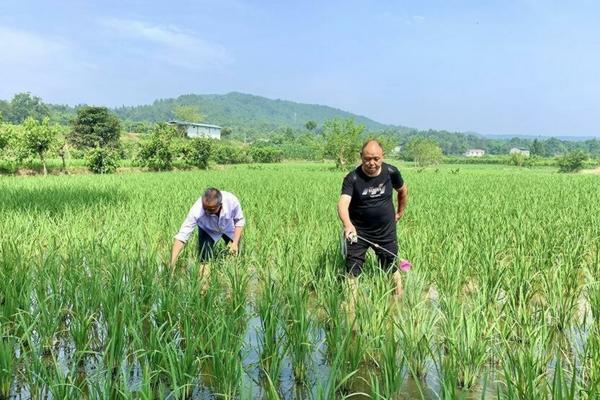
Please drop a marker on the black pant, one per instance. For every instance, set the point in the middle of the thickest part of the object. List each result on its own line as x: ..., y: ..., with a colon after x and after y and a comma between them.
x: 206, y: 245
x: 356, y: 252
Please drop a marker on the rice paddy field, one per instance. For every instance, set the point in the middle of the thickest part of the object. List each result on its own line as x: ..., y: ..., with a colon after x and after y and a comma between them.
x: 502, y: 302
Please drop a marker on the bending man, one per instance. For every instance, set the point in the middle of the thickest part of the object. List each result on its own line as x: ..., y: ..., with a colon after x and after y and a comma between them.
x: 217, y: 215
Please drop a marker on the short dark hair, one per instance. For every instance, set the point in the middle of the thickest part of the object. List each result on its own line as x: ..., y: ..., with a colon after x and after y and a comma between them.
x: 213, y: 195
x: 365, y: 144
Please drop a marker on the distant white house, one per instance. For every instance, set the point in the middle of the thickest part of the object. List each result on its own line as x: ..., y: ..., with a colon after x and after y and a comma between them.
x: 517, y: 150
x: 194, y: 129
x: 474, y: 153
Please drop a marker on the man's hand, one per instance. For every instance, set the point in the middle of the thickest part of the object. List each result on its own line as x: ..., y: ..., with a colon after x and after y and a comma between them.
x: 233, y: 248
x: 399, y: 215
x: 350, y: 233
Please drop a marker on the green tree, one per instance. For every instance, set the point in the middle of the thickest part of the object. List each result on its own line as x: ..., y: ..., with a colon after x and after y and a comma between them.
x: 538, y: 148
x: 423, y: 151
x: 101, y: 160
x: 342, y: 141
x: 24, y: 105
x: 37, y: 139
x: 226, y: 133
x: 188, y: 113
x: 199, y: 153
x: 518, y: 160
x: 5, y: 134
x: 94, y: 127
x: 4, y: 110
x: 157, y: 151
x: 310, y: 125
x: 572, y: 161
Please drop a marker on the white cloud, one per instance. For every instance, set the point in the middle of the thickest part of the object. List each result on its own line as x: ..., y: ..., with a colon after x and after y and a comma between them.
x: 18, y: 47
x: 174, y: 45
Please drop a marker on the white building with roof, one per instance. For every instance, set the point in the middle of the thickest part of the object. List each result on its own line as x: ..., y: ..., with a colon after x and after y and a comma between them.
x: 196, y: 129
x: 475, y: 153
x: 518, y: 150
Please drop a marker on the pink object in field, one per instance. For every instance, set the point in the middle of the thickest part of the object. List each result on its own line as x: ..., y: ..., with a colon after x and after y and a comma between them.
x: 405, y: 265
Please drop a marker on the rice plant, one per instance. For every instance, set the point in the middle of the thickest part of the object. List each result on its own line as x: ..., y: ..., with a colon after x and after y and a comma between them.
x: 503, y: 289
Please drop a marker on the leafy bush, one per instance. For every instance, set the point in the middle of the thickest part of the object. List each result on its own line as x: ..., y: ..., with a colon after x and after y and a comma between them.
x: 199, y: 152
x: 157, y: 152
x: 5, y: 133
x: 572, y: 161
x: 101, y: 161
x: 266, y: 154
x: 519, y: 160
x: 226, y: 153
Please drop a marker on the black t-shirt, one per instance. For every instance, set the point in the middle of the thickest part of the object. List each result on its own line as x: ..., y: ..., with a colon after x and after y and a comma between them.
x: 372, y: 206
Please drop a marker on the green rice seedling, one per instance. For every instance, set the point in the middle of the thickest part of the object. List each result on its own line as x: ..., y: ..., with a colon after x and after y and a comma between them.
x: 224, y: 356
x: 590, y: 358
x: 180, y: 368
x: 298, y: 327
x: 237, y: 279
x: 15, y: 286
x: 147, y: 383
x: 8, y: 364
x: 33, y: 376
x: 61, y: 381
x: 525, y: 365
x: 268, y: 306
x: 561, y: 291
x: 48, y: 315
x: 80, y: 327
x: 336, y: 381
x: 466, y: 338
x: 373, y: 313
x: 416, y: 321
x: 387, y: 382
x: 271, y: 392
x: 562, y: 387
x: 116, y: 340
x: 346, y: 346
x: 335, y: 320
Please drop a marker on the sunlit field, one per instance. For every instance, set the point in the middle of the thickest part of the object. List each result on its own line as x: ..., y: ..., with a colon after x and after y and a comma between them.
x: 503, y: 299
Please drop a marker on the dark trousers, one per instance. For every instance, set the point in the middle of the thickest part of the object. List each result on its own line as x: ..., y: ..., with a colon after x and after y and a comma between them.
x: 206, y: 245
x: 356, y: 252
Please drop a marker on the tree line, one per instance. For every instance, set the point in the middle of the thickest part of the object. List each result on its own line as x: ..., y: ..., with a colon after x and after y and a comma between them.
x: 32, y: 129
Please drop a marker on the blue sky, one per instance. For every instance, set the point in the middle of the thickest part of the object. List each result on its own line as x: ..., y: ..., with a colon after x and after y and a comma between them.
x: 495, y: 67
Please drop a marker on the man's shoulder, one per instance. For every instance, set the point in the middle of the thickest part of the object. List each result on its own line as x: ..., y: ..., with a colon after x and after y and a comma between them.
x: 229, y: 197
x: 352, y: 175
x: 390, y: 168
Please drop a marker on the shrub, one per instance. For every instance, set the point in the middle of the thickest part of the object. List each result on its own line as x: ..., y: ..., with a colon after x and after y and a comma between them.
x: 157, y: 152
x: 101, y: 161
x: 226, y: 153
x: 266, y: 154
x: 572, y: 161
x: 199, y: 152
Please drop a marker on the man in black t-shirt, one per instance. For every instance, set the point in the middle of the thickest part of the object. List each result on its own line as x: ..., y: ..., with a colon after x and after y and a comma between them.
x: 366, y: 208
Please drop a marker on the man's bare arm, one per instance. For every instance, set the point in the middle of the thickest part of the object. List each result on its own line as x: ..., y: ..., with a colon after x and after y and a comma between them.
x: 178, y: 245
x: 344, y: 214
x: 402, y: 201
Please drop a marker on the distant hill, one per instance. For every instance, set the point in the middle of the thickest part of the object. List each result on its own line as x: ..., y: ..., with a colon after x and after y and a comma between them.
x: 244, y: 111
